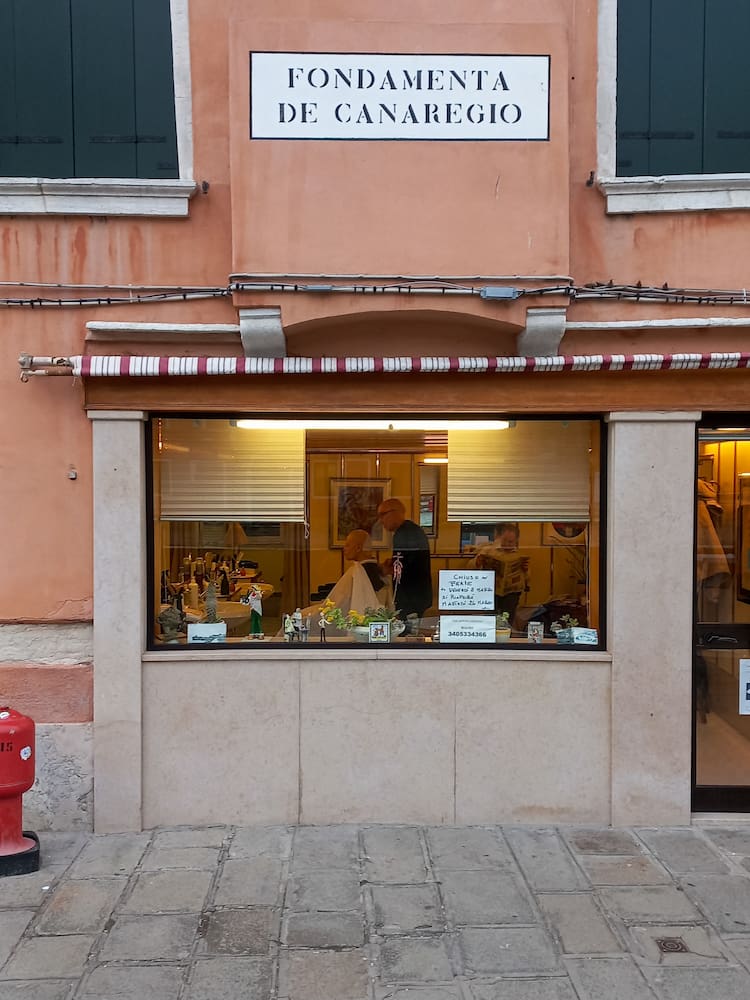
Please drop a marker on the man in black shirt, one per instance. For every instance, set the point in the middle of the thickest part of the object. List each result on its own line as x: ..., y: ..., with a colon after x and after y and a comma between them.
x: 413, y: 591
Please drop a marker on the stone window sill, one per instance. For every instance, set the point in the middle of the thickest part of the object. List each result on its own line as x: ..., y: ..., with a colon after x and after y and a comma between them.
x: 95, y: 196
x: 678, y: 193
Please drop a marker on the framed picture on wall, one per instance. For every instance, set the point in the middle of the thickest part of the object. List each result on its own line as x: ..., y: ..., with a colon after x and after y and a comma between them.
x: 354, y: 504
x: 428, y: 514
x: 564, y: 532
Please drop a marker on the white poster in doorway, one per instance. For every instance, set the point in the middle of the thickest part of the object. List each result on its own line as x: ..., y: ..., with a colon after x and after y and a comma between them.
x: 744, y: 687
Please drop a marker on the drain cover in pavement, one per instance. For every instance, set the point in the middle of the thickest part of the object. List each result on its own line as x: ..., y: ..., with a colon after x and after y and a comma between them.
x: 670, y: 945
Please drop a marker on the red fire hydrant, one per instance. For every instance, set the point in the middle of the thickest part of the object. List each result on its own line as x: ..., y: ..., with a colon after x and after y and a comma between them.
x: 19, y: 849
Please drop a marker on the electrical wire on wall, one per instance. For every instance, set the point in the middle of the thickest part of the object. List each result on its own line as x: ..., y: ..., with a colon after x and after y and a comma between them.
x: 64, y: 295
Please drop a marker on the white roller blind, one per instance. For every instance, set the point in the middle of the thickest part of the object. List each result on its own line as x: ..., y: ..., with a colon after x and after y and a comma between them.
x: 533, y: 471
x: 214, y: 471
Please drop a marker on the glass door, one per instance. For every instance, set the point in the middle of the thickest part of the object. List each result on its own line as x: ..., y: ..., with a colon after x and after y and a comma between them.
x: 721, y: 661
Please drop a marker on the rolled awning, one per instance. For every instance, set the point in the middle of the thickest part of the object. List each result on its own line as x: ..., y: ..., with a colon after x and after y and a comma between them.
x: 128, y: 366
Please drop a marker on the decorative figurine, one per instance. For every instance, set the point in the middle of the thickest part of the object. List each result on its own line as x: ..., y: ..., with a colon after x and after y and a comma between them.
x: 322, y: 626
x: 288, y: 629
x: 305, y: 629
x: 297, y: 623
x: 211, y: 616
x: 253, y: 598
x: 172, y: 621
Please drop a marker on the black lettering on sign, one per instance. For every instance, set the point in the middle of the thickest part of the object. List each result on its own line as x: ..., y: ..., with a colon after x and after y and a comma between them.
x: 6, y: 746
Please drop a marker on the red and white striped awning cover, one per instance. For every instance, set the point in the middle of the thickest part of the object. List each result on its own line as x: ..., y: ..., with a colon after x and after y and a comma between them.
x: 118, y: 365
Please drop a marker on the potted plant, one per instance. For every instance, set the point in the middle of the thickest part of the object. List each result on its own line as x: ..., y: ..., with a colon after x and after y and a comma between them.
x: 502, y: 627
x: 357, y: 623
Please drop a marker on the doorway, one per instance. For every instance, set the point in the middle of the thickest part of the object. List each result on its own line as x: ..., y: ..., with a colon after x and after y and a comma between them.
x: 721, y: 660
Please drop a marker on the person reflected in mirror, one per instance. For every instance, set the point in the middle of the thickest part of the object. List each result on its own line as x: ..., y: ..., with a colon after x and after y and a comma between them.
x: 511, y: 567
x: 412, y: 583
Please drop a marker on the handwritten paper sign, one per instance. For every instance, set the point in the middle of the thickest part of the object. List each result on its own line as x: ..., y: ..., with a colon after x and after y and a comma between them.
x: 466, y: 590
x: 467, y: 628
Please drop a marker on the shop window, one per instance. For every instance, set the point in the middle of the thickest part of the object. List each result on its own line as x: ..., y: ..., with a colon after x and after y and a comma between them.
x: 87, y: 89
x: 682, y: 87
x: 402, y: 532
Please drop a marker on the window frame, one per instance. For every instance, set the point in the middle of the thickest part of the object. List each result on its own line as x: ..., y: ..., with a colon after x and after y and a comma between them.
x: 518, y: 646
x: 674, y: 193
x: 95, y: 196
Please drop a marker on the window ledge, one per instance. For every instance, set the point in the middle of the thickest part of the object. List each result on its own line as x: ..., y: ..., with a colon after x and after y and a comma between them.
x: 678, y: 193
x: 95, y: 196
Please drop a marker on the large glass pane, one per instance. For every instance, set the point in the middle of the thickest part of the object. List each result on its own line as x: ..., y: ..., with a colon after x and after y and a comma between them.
x: 722, y: 654
x: 262, y: 529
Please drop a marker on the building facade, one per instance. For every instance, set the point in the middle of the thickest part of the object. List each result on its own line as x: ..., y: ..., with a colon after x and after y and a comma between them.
x: 270, y: 276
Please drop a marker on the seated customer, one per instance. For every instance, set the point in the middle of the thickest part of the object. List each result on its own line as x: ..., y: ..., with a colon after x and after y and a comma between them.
x: 362, y: 585
x: 511, y: 568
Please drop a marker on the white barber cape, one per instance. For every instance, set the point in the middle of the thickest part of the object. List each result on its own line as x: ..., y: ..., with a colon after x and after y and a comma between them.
x: 354, y: 591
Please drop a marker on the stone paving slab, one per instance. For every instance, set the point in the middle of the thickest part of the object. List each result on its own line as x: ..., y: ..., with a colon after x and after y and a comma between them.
x: 326, y: 847
x: 602, y: 978
x: 415, y: 960
x: 174, y: 891
x: 702, y: 984
x: 402, y: 908
x: 322, y: 975
x: 247, y: 931
x: 158, y: 858
x: 464, y: 848
x: 656, y: 904
x: 391, y: 912
x: 49, y: 989
x: 12, y: 925
x: 249, y: 882
x: 682, y: 851
x: 324, y: 930
x: 230, y: 979
x: 37, y: 957
x: 545, y: 860
x: 624, y: 871
x: 523, y: 989
x: 508, y: 950
x: 724, y: 899
x: 578, y: 924
x: 132, y: 982
x: 321, y: 891
x: 394, y: 854
x: 80, y: 906
x: 488, y: 897
x: 148, y: 937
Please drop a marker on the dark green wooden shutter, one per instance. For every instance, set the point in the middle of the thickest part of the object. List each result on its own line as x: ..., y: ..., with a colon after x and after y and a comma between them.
x: 103, y: 88
x: 633, y: 86
x: 726, y: 144
x: 154, y: 90
x: 676, y: 87
x: 36, y: 122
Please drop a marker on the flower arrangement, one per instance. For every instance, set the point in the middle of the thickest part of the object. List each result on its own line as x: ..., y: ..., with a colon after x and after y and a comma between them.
x: 355, y: 619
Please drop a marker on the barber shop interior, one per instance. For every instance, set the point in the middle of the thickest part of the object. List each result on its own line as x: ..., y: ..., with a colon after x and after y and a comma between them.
x: 396, y: 531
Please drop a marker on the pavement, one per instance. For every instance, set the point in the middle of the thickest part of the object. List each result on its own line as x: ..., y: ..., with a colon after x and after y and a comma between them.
x: 382, y: 913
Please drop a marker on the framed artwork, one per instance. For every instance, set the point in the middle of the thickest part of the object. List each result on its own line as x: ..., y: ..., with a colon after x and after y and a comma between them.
x: 564, y: 532
x: 743, y: 539
x: 354, y: 504
x: 380, y: 631
x: 475, y: 534
x: 427, y: 513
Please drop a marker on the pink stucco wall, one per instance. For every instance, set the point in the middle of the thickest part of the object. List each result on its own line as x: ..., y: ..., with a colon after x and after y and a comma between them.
x: 329, y: 207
